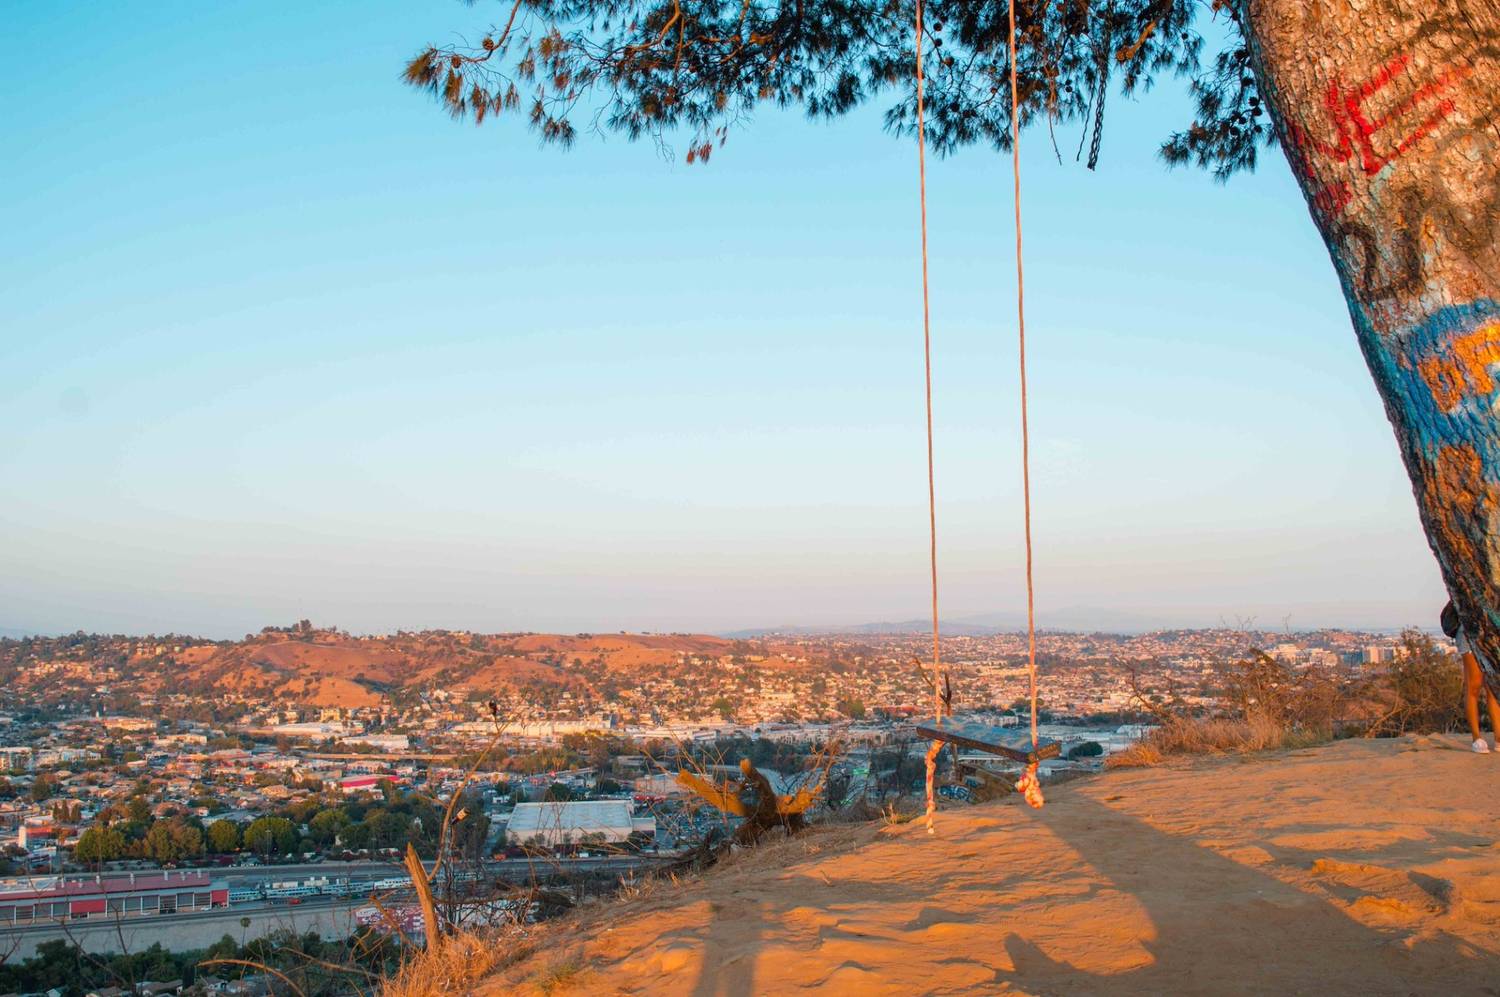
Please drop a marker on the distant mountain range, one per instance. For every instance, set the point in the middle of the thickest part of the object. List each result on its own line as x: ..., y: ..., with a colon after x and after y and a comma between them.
x: 1081, y: 619
x: 949, y: 627
x: 1074, y: 619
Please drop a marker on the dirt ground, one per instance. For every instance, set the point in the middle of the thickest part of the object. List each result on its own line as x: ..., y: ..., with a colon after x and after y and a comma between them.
x: 1363, y: 867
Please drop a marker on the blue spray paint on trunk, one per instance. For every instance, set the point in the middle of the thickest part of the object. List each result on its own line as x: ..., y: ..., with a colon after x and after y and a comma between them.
x: 1444, y: 403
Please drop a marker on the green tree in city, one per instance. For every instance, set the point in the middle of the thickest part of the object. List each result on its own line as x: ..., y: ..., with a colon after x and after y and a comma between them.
x: 225, y: 947
x: 266, y: 835
x: 43, y: 787
x: 223, y: 837
x: 99, y: 844
x: 327, y: 825
x: 387, y: 829
x: 852, y: 707
x: 356, y: 836
x: 172, y: 840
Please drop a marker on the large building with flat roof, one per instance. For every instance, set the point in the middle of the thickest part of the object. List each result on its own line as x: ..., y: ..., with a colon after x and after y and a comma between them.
x: 66, y: 898
x: 554, y: 824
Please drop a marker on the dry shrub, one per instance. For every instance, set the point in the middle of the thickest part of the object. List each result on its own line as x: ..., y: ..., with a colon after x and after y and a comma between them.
x: 1141, y: 754
x: 1422, y: 692
x: 1263, y: 705
x: 640, y: 889
x: 1275, y: 702
x: 559, y: 975
x: 454, y: 967
x: 1185, y: 735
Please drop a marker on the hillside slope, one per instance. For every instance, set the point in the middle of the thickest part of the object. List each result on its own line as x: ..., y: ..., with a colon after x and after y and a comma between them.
x: 1364, y: 867
x: 332, y: 669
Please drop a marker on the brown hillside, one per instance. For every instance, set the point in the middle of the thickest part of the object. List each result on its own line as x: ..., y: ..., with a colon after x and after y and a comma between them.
x: 689, y: 643
x: 1366, y: 867
x: 513, y: 670
x: 362, y: 658
x: 321, y: 674
x: 328, y: 692
x: 332, y: 669
x: 623, y: 651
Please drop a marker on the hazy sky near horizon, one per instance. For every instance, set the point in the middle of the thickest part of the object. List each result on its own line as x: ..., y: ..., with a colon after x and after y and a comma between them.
x: 280, y: 340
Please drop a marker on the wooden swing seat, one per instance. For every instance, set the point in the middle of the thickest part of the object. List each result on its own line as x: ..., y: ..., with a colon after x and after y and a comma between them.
x: 1005, y: 741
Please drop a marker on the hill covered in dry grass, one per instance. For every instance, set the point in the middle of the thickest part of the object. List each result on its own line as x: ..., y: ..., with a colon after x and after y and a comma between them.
x: 331, y: 669
x: 1360, y: 867
x: 324, y: 667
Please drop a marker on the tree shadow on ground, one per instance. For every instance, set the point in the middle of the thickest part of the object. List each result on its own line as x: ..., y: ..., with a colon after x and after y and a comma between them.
x: 1206, y: 922
x: 730, y: 948
x: 1211, y: 909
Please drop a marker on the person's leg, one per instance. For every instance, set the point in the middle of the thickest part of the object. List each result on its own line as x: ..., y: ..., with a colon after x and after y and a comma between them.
x: 1473, y: 686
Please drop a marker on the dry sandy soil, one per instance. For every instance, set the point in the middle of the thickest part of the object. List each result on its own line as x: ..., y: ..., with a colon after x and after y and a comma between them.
x: 1364, y: 867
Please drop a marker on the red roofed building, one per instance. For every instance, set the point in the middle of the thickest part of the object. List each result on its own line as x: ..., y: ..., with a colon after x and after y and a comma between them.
x: 32, y: 835
x: 63, y: 898
x: 365, y: 783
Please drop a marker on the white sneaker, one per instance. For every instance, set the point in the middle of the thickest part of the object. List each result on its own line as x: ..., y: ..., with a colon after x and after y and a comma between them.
x: 1479, y: 747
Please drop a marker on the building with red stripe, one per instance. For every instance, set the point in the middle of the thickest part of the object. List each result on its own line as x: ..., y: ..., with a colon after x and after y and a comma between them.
x: 73, y: 898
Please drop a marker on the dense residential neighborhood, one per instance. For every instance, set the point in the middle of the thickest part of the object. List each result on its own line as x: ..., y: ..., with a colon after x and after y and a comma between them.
x: 172, y: 793
x: 158, y: 751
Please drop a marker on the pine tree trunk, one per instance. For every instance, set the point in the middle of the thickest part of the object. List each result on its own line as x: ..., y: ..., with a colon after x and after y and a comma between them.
x: 1387, y: 112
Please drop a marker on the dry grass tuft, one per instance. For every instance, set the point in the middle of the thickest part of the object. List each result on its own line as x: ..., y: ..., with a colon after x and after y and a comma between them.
x: 895, y: 815
x: 1184, y: 735
x: 1139, y: 755
x: 455, y: 967
x: 559, y: 975
x: 651, y: 889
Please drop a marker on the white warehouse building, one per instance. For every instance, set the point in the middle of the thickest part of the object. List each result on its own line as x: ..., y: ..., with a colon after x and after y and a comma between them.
x: 552, y: 824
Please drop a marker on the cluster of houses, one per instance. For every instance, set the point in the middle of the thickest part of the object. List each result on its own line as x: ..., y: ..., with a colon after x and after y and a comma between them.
x: 66, y: 773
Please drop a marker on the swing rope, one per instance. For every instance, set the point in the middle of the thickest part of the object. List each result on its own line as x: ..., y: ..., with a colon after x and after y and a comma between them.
x: 1029, y: 785
x: 937, y: 665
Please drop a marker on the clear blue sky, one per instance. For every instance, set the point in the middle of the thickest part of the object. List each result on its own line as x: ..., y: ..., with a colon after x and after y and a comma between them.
x: 281, y: 340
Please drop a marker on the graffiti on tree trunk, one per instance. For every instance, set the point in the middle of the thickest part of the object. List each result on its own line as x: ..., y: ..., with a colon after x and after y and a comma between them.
x: 1464, y: 372
x: 1348, y: 155
x: 1389, y: 117
x: 1374, y: 136
x: 1439, y: 374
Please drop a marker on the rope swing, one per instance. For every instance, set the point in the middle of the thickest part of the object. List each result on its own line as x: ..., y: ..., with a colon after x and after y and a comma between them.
x: 937, y: 663
x: 942, y: 729
x: 1029, y: 784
